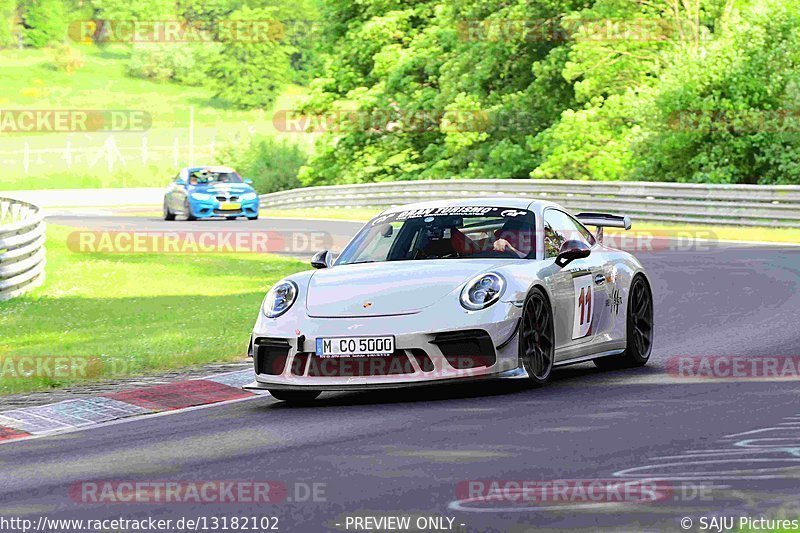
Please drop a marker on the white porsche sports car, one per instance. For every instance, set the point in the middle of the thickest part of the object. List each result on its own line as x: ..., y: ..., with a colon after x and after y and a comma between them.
x: 445, y: 291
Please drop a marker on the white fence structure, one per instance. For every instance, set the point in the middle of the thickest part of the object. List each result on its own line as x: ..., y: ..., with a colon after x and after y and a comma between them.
x: 748, y: 205
x: 22, y: 252
x: 107, y: 156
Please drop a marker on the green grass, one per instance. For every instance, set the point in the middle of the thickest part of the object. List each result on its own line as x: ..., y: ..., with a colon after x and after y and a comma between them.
x: 134, y: 314
x: 30, y: 82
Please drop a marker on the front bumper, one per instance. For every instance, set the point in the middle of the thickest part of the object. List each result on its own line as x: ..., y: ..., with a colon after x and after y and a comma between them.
x: 514, y: 373
x: 482, y: 346
x: 211, y: 209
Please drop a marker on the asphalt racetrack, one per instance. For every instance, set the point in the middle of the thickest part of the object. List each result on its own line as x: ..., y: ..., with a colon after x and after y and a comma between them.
x: 715, y: 447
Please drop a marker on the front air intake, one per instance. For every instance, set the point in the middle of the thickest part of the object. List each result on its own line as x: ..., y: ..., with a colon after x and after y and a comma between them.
x: 470, y: 348
x: 271, y: 356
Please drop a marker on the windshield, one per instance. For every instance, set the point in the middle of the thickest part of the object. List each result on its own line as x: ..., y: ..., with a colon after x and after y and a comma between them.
x: 445, y: 233
x: 204, y: 177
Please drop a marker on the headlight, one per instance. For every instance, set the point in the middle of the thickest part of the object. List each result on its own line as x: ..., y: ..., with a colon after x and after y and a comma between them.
x: 279, y: 299
x: 201, y: 196
x: 249, y: 196
x: 482, y: 291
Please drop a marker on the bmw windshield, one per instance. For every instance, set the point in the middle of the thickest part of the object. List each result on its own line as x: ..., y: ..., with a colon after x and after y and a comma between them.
x: 208, y: 177
x: 444, y: 233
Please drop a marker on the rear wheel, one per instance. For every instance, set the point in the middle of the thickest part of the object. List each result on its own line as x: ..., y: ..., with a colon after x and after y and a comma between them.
x: 253, y: 218
x: 537, y: 338
x: 168, y: 215
x: 231, y: 218
x: 295, y: 396
x: 639, y: 329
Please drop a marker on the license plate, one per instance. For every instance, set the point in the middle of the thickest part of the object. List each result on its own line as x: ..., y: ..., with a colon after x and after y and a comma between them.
x: 230, y: 206
x: 355, y: 346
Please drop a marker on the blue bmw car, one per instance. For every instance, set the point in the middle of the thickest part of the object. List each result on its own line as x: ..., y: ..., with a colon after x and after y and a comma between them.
x: 206, y: 192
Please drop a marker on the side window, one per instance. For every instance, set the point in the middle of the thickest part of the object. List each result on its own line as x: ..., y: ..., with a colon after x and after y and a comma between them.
x: 559, y: 227
x: 552, y: 240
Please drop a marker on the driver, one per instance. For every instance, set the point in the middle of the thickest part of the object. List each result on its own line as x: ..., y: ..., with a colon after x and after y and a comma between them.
x: 516, y: 236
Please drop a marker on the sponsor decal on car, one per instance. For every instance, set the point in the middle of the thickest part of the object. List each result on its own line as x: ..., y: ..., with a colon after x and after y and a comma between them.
x: 614, y: 301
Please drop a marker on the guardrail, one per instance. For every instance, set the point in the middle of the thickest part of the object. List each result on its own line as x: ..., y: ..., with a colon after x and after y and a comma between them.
x: 22, y: 252
x: 749, y: 205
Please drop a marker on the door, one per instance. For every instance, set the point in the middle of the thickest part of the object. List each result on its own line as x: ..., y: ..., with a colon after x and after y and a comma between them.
x: 579, y: 287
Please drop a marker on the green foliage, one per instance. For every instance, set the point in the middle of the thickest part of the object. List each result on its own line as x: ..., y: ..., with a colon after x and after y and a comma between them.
x: 44, y: 22
x: 8, y: 13
x: 249, y: 72
x: 149, y: 10
x: 730, y: 115
x: 66, y: 58
x: 184, y: 63
x: 272, y: 164
x: 565, y: 89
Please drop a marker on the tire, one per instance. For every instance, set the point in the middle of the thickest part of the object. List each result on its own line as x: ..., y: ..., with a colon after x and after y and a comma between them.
x: 537, y: 338
x: 295, y: 396
x: 187, y: 210
x: 253, y: 218
x: 168, y: 215
x: 231, y: 218
x: 639, y: 329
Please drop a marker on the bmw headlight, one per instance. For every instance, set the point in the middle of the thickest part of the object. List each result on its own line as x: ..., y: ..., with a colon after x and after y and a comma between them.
x: 482, y: 291
x: 279, y: 299
x: 249, y: 196
x: 201, y: 196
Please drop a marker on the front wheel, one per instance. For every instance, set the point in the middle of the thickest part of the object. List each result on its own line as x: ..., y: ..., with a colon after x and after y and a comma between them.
x: 253, y: 218
x: 168, y: 214
x: 295, y: 396
x: 639, y: 329
x: 537, y: 338
x: 187, y: 209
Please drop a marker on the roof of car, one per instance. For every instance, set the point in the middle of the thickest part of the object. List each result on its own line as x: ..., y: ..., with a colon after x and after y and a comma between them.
x: 501, y: 201
x: 211, y: 168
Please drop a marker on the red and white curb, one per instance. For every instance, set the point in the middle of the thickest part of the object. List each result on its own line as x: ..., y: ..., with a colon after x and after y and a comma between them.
x: 69, y: 415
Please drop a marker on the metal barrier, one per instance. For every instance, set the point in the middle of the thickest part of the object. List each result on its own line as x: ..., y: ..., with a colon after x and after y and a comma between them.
x: 749, y: 205
x: 22, y: 252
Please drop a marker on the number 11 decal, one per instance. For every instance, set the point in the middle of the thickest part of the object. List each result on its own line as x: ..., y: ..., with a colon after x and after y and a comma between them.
x: 584, y: 306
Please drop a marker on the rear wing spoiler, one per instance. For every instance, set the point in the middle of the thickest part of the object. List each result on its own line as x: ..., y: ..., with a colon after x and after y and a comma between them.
x: 604, y: 220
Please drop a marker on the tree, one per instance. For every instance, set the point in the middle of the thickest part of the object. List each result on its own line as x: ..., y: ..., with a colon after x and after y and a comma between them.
x: 44, y: 22
x: 251, y: 70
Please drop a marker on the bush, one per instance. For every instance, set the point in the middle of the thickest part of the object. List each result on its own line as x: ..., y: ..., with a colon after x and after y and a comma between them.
x: 66, y: 58
x: 272, y: 164
x: 186, y: 64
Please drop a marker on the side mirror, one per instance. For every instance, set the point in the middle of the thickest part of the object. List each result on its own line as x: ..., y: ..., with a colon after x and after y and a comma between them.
x: 322, y: 259
x: 180, y: 181
x: 572, y: 250
x: 248, y: 181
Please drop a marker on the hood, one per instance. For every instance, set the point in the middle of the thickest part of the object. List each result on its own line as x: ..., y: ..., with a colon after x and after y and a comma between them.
x: 388, y: 288
x: 229, y: 188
